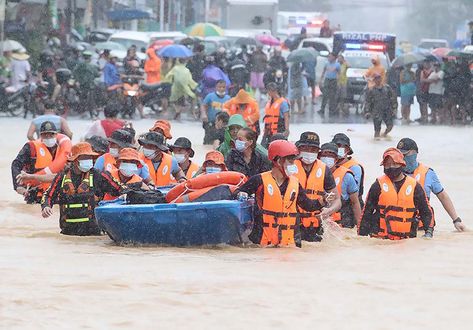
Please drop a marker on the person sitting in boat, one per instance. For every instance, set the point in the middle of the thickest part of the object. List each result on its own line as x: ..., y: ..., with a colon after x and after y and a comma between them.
x: 278, y: 195
x: 77, y: 190
x: 183, y: 152
x: 214, y: 163
x: 39, y: 161
x: 163, y: 168
x: 99, y: 144
x: 126, y: 174
x: 244, y: 157
x: 235, y: 123
x: 119, y: 140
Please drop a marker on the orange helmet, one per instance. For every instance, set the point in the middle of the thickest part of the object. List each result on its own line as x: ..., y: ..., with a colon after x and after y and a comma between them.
x: 396, y: 156
x: 282, y: 148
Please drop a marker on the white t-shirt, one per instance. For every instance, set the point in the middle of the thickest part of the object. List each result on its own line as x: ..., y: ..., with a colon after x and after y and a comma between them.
x: 436, y: 87
x: 19, y: 73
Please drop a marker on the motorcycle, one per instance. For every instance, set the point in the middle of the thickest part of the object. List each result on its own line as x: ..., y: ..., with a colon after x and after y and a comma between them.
x: 68, y: 99
x: 12, y: 102
x: 156, y: 96
x: 131, y: 94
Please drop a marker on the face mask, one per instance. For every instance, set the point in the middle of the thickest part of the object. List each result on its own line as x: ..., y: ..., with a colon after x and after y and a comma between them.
x: 85, y: 165
x: 180, y: 158
x: 329, y: 161
x: 221, y: 94
x: 114, y: 152
x: 393, y: 172
x: 128, y: 169
x: 411, y: 163
x: 210, y: 170
x: 341, y: 152
x: 240, y: 145
x: 291, y: 169
x: 308, y: 157
x: 149, y: 153
x: 49, y: 142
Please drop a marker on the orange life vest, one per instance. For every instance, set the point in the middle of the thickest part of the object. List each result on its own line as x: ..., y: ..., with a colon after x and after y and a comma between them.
x: 397, y: 209
x: 419, y: 175
x: 192, y: 170
x: 162, y: 176
x: 313, y: 183
x: 271, y: 116
x: 115, y: 175
x: 338, y: 176
x: 45, y: 163
x: 109, y: 162
x: 249, y: 114
x: 279, y: 212
x: 353, y: 162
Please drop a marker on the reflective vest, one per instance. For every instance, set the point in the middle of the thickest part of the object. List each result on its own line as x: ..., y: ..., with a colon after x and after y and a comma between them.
x: 162, y: 176
x: 420, y: 173
x: 313, y: 183
x: 279, y: 212
x: 397, y: 211
x: 77, y: 205
x: 115, y: 175
x: 246, y: 114
x: 192, y: 170
x: 338, y: 176
x: 109, y: 162
x: 353, y: 162
x: 271, y: 116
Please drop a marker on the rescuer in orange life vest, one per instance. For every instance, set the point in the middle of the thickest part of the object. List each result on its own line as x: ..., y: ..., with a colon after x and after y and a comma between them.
x: 276, y: 115
x: 395, y: 202
x: 349, y: 214
x: 278, y: 195
x: 39, y: 161
x: 317, y: 180
x: 126, y: 174
x: 119, y: 140
x: 182, y: 151
x: 428, y: 180
x: 77, y: 190
x: 163, y: 168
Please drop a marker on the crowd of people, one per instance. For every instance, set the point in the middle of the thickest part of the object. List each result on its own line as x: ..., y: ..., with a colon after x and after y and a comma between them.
x: 297, y: 186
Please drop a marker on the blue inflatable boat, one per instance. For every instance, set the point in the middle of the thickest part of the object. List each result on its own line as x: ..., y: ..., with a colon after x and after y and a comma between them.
x: 187, y: 224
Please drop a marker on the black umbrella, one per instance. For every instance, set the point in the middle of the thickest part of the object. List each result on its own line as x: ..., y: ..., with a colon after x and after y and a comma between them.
x: 246, y: 41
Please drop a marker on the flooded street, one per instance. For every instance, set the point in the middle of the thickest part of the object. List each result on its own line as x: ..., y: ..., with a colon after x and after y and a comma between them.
x: 50, y: 281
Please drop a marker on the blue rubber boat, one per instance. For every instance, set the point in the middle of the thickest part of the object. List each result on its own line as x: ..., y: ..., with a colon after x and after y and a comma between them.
x: 186, y: 224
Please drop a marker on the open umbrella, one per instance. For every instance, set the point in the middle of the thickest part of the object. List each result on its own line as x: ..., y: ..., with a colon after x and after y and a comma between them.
x: 11, y: 45
x: 204, y: 30
x: 408, y: 58
x: 441, y: 52
x: 158, y: 44
x: 175, y: 51
x: 302, y: 55
x: 462, y: 54
x: 268, y: 40
x: 247, y: 42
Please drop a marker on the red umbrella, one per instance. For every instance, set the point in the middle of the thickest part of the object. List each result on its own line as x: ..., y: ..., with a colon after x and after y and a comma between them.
x: 268, y: 40
x: 441, y: 52
x: 158, y: 44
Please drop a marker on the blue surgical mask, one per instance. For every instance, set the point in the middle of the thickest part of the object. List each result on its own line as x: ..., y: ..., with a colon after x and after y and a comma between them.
x: 329, y: 161
x: 411, y: 163
x: 149, y: 153
x: 85, y: 165
x: 114, y: 152
x: 210, y: 170
x: 308, y: 157
x: 240, y: 145
x: 341, y: 152
x: 291, y: 169
x: 128, y: 169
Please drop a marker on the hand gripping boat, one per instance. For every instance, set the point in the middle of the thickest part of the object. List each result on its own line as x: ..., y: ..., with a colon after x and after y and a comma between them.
x: 180, y: 223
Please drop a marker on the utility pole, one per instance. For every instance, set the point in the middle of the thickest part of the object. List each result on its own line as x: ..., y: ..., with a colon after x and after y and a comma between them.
x: 2, y: 23
x: 161, y: 15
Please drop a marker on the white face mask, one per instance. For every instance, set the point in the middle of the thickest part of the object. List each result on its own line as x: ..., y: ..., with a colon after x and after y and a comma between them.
x: 308, y: 157
x: 85, y: 165
x: 114, y: 152
x: 210, y: 170
x: 291, y: 169
x: 329, y: 161
x: 221, y: 94
x: 128, y: 169
x: 180, y: 158
x: 341, y: 152
x: 149, y: 153
x: 51, y: 142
